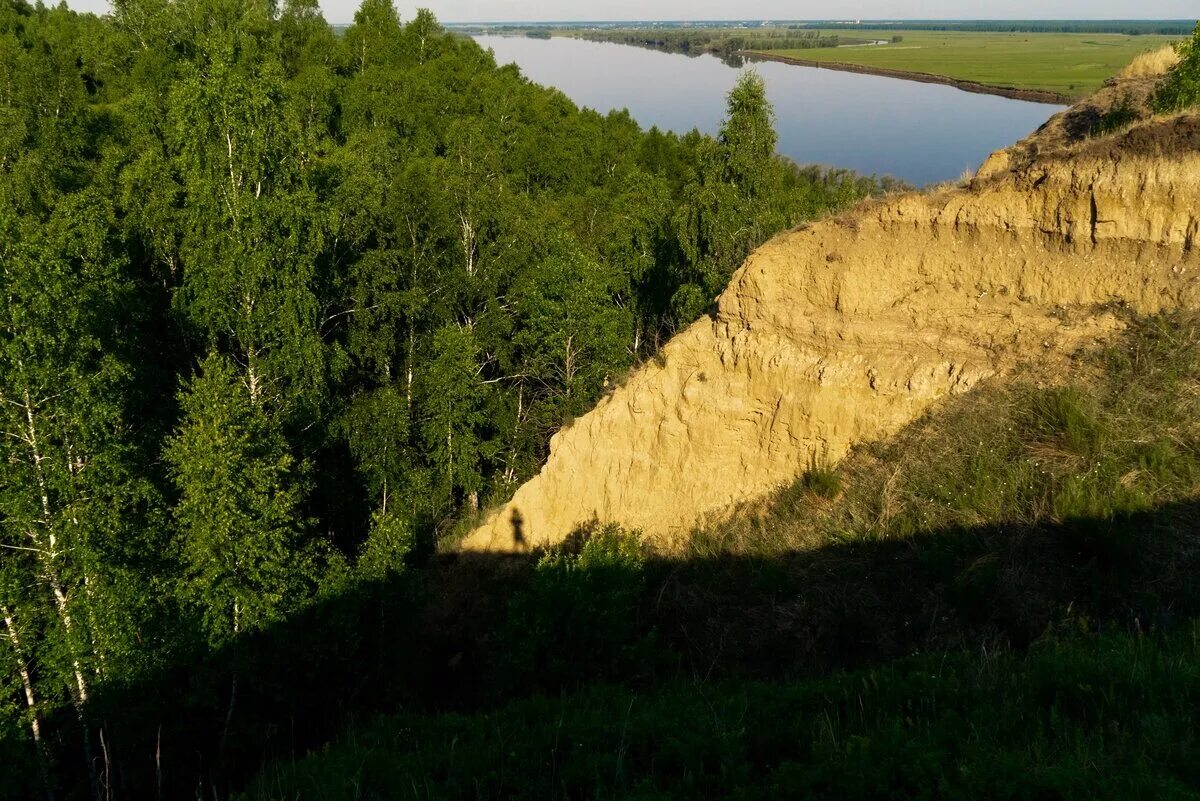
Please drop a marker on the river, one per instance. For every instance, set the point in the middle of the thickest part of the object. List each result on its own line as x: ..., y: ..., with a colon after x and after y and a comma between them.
x: 920, y: 132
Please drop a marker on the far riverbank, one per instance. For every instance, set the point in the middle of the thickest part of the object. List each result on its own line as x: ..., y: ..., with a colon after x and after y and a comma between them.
x: 1030, y: 95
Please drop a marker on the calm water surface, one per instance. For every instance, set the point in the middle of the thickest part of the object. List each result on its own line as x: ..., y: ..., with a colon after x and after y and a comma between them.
x: 916, y: 131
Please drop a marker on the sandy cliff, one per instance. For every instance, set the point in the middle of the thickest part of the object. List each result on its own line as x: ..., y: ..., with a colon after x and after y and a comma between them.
x: 843, y: 331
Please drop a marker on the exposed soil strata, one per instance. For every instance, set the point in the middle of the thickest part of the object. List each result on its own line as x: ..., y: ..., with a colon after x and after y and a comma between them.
x: 843, y: 331
x: 1032, y: 95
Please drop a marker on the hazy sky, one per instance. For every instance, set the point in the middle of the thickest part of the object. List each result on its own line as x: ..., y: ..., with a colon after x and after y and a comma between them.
x: 497, y: 10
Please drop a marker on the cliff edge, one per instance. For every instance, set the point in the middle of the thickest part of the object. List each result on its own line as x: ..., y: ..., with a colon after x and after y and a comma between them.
x: 843, y: 331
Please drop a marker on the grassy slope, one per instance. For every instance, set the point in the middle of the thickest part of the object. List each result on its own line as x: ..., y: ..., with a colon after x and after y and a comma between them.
x: 1070, y: 64
x: 1062, y: 520
x: 1109, y: 718
x: 1120, y: 438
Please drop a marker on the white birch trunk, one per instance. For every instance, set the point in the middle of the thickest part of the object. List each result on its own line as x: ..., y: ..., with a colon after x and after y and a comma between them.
x: 35, y: 722
x: 47, y: 551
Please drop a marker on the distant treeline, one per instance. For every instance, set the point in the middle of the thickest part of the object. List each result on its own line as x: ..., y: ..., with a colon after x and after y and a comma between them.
x: 1128, y: 27
x: 846, y: 32
x: 720, y: 42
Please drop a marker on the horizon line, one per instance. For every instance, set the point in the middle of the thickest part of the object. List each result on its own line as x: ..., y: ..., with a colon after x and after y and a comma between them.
x: 842, y: 20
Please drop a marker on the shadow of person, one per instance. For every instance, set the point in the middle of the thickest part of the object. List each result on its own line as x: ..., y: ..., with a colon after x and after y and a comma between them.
x: 518, y: 529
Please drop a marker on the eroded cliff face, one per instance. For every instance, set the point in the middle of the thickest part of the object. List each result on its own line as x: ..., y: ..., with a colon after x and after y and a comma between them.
x: 844, y: 331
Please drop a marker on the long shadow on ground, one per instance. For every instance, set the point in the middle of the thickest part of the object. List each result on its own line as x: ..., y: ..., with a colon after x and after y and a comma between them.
x: 473, y: 630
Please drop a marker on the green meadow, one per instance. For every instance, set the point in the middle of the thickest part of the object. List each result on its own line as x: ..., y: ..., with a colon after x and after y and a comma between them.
x: 1070, y: 64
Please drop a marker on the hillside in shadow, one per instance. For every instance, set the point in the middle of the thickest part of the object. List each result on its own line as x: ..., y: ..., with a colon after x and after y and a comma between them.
x: 472, y: 631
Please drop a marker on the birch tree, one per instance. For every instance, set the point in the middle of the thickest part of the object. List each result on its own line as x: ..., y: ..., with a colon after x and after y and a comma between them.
x: 251, y: 234
x: 67, y: 487
x: 246, y: 555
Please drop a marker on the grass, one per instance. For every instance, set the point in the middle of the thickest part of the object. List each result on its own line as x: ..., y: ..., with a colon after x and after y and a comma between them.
x: 1069, y: 64
x: 1090, y: 718
x: 821, y: 480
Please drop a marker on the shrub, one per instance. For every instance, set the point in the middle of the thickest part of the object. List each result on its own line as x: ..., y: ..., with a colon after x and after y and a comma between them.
x: 1181, y: 89
x: 577, y: 619
x: 1116, y: 118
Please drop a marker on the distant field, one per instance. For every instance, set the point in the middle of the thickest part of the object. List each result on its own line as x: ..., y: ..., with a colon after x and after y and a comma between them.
x: 1069, y: 64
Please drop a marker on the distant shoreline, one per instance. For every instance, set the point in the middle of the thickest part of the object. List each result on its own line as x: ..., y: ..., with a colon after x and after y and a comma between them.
x: 1031, y: 95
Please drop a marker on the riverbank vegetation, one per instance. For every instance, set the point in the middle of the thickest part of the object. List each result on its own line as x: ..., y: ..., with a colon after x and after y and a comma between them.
x: 1181, y: 89
x: 280, y: 307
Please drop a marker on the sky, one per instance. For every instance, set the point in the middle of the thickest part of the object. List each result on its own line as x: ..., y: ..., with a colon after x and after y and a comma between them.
x: 339, y: 11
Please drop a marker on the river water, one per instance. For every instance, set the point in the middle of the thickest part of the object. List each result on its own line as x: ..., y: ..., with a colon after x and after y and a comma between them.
x: 920, y: 132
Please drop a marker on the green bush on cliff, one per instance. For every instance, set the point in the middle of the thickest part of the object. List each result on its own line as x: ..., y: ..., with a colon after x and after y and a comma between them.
x: 1182, y: 87
x: 1114, y: 119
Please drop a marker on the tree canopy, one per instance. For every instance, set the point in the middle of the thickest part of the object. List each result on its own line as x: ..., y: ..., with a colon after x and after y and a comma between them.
x: 284, y: 307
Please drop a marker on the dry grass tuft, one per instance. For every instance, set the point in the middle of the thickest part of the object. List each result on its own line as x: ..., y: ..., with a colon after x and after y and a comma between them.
x: 1151, y: 65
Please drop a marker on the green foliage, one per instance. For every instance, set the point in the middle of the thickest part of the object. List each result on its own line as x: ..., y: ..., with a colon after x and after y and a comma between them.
x: 736, y: 199
x: 251, y: 232
x: 1115, y: 118
x: 78, y: 531
x: 384, y: 272
x: 376, y: 428
x: 455, y: 410
x: 246, y: 558
x: 748, y: 138
x: 1181, y: 88
x: 375, y: 35
x: 571, y: 332
x: 388, y: 547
